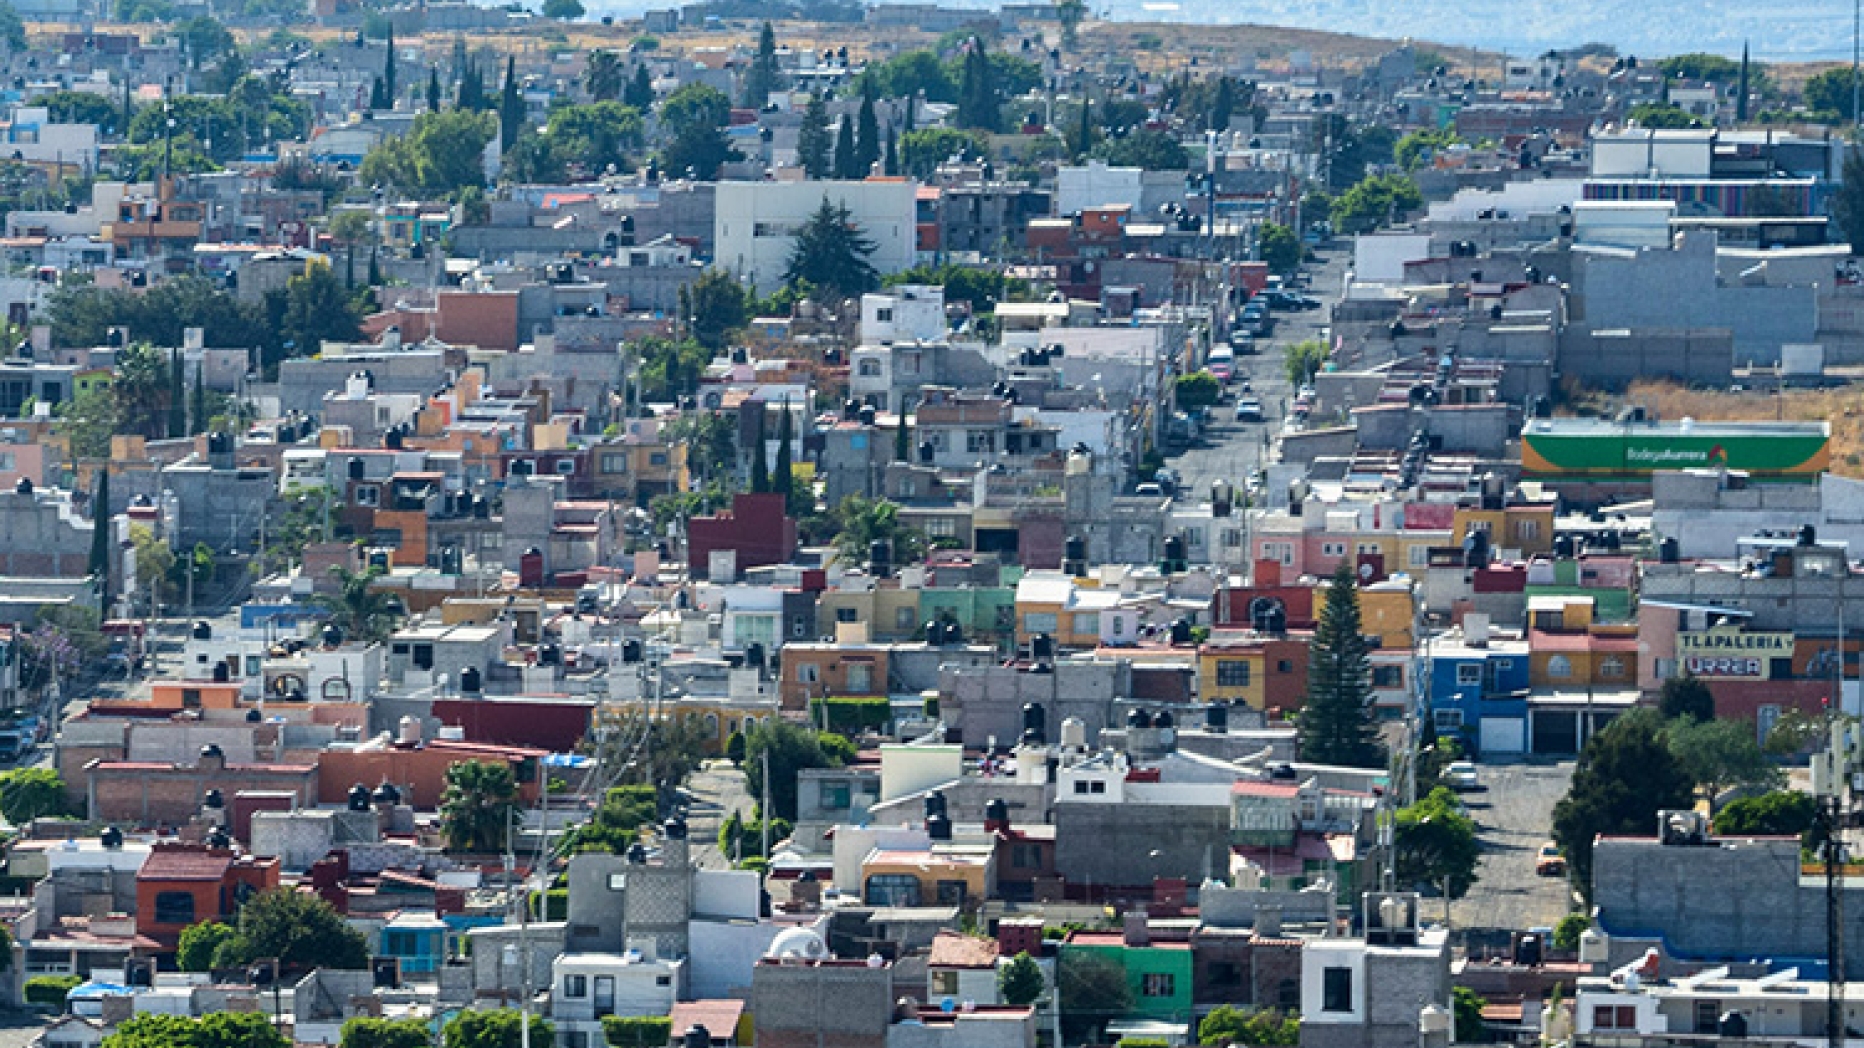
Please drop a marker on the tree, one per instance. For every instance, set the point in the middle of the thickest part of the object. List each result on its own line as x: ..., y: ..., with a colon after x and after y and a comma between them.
x: 500, y: 1028
x: 788, y: 749
x: 391, y: 85
x: 1662, y: 115
x: 1374, y: 202
x: 646, y: 1031
x: 1780, y: 813
x: 1415, y: 148
x: 640, y: 90
x: 142, y: 389
x: 847, y: 158
x: 1019, y: 980
x: 200, y: 942
x: 1200, y: 389
x: 214, y: 1030
x: 1848, y: 202
x: 511, y: 107
x: 1071, y: 12
x: 1150, y: 148
x: 719, y: 308
x: 734, y: 748
x: 317, y: 310
x: 1625, y: 775
x: 477, y: 805
x: 761, y: 77
x: 563, y: 10
x: 12, y: 28
x: 368, y: 1032
x: 862, y: 522
x: 433, y: 89
x: 1686, y: 696
x: 866, y: 136
x: 1303, y: 361
x: 100, y: 537
x: 83, y: 107
x: 1466, y: 1012
x: 902, y: 440
x: 911, y: 75
x: 31, y: 793
x: 301, y: 930
x: 813, y: 143
x: 695, y: 113
x: 891, y: 164
x: 1279, y: 247
x: 604, y: 76
x: 979, y: 105
x: 1258, y: 1028
x: 830, y: 253
x: 361, y: 611
x: 441, y: 153
x: 1436, y: 844
x: 783, y: 478
x: 155, y: 563
x: 922, y: 151
x: 1718, y: 754
x: 378, y: 94
x: 1335, y: 723
x: 1831, y: 92
x: 760, y: 463
x: 177, y: 395
x: 1093, y: 991
x: 1567, y: 932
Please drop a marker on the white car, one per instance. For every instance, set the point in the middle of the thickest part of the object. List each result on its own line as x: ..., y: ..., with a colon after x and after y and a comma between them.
x: 1461, y: 775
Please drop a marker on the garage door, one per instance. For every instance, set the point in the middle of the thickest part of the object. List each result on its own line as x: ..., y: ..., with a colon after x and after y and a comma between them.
x: 1556, y: 732
x: 1503, y: 735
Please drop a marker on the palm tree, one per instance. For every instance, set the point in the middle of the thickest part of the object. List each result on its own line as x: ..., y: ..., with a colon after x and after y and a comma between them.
x: 476, y: 809
x: 865, y: 521
x: 361, y: 611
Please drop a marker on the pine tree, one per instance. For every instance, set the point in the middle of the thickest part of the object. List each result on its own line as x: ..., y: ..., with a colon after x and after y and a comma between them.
x: 378, y: 94
x: 866, y: 136
x: 433, y: 90
x: 761, y: 78
x: 847, y: 161
x: 892, y: 166
x: 831, y: 253
x: 760, y: 467
x: 375, y: 270
x: 906, y: 124
x: 199, y: 404
x: 100, y: 538
x: 1336, y: 723
x: 1224, y: 106
x: 177, y: 395
x: 977, y: 91
x: 812, y: 139
x: 782, y: 481
x: 388, y: 69
x: 640, y: 91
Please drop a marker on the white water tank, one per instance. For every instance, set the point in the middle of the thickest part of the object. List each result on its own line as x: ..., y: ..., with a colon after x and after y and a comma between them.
x: 1032, y: 765
x: 1595, y: 947
x: 1074, y: 733
x: 410, y: 734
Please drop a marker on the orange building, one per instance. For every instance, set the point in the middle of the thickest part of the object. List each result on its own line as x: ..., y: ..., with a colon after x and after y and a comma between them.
x: 182, y: 884
x: 420, y: 769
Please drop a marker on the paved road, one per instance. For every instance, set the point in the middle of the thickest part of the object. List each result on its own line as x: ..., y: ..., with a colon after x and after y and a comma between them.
x: 1231, y: 450
x: 718, y: 790
x: 1514, y: 814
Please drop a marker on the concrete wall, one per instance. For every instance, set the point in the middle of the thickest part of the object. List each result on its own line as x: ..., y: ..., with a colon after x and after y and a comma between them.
x: 1113, y: 844
x: 755, y: 223
x: 1612, y: 359
x: 984, y: 701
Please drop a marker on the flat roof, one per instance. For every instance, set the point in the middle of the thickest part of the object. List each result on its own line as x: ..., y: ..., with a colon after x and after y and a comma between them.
x: 1696, y: 427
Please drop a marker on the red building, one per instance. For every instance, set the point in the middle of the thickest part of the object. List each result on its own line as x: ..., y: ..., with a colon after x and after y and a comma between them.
x: 758, y: 529
x: 182, y: 884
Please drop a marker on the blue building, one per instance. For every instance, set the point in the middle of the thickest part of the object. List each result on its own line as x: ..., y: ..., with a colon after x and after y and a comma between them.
x: 1475, y: 688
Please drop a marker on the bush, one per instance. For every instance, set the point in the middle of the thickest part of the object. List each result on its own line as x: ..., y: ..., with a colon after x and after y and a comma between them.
x: 1566, y: 933
x: 50, y: 991
x: 647, y: 1032
x: 850, y: 716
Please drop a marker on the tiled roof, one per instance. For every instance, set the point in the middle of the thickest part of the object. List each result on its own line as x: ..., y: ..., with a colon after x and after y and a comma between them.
x: 184, y: 864
x: 952, y: 950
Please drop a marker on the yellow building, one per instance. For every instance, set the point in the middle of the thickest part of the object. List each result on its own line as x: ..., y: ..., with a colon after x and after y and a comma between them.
x: 1232, y: 669
x: 889, y: 612
x: 1527, y: 527
x: 945, y: 875
x: 1073, y: 615
x: 1389, y: 610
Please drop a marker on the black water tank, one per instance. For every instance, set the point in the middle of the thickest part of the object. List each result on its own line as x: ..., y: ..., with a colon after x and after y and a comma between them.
x: 219, y: 839
x: 1732, y: 1025
x: 1075, y: 549
x: 696, y: 1036
x: 926, y: 452
x: 880, y: 558
x: 997, y: 810
x: 938, y: 827
x: 630, y: 650
x: 471, y: 680
x: 387, y: 795
x: 1808, y: 536
x: 1217, y: 718
x: 1669, y: 551
x: 1035, y: 719
x: 674, y: 829
x: 867, y: 414
x: 23, y: 486
x: 954, y: 633
x: 934, y: 632
x: 1137, y: 718
x: 359, y: 798
x: 1164, y: 720
x: 754, y: 655
x: 1180, y: 631
x: 221, y: 673
x: 935, y: 803
x: 1174, y: 550
x: 253, y: 716
x: 355, y: 468
x: 214, y: 799
x: 332, y: 635
x: 203, y: 630
x: 1042, y: 646
x: 111, y: 837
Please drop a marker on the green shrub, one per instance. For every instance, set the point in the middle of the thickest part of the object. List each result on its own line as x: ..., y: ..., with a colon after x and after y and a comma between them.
x: 49, y: 991
x: 848, y: 715
x: 642, y: 1032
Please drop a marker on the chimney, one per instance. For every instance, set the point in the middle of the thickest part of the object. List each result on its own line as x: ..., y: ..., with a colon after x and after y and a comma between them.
x: 1135, y: 929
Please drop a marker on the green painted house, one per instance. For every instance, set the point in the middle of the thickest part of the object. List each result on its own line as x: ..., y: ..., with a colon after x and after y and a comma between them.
x: 1158, y: 974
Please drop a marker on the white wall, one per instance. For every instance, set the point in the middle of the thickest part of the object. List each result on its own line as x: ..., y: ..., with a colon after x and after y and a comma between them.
x: 756, y: 222
x: 1516, y: 199
x: 917, y: 314
x: 1379, y: 258
x: 906, y: 769
x: 1097, y: 185
x: 724, y: 952
x: 1319, y: 955
x: 1635, y: 153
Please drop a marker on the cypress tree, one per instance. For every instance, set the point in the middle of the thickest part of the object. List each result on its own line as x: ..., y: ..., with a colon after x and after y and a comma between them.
x: 866, y: 135
x: 912, y: 103
x: 760, y: 468
x: 1336, y: 719
x: 1087, y: 126
x: 640, y: 91
x: 510, y: 107
x: 893, y: 152
x: 761, y: 78
x: 812, y: 139
x: 200, y: 401
x: 378, y: 95
x: 433, y: 90
x: 1224, y: 106
x: 375, y: 270
x: 1741, y: 98
x: 782, y: 482
x: 177, y: 395
x: 100, y: 539
x: 902, y: 441
x: 847, y: 164
x: 388, y: 68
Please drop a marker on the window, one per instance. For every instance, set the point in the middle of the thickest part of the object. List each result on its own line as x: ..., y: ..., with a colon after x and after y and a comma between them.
x: 190, y: 698
x: 1418, y: 556
x: 1614, y: 1017
x: 1087, y: 622
x: 1224, y: 973
x: 860, y: 678
x: 657, y: 458
x: 1039, y: 622
x: 847, y: 615
x: 1280, y: 552
x: 1119, y: 625
x: 174, y: 908
x: 870, y: 368
x: 1026, y: 856
x: 944, y: 984
x: 1527, y: 530
x: 1284, y: 666
x: 565, y: 467
x: 1231, y: 537
x: 1336, y: 990
x: 1388, y: 676
x: 1232, y: 673
x: 576, y: 986
x: 1369, y: 549
x: 1158, y: 984
x: 604, y: 995
x: 883, y: 315
x: 941, y: 528
x: 892, y: 889
x: 980, y: 440
x: 834, y: 796
x: 1611, y: 666
x: 1090, y: 786
x: 1448, y: 720
x: 1468, y: 674
x: 1333, y: 549
x: 368, y: 495
x: 1559, y: 666
x: 1005, y: 617
x: 905, y: 617
x: 809, y: 673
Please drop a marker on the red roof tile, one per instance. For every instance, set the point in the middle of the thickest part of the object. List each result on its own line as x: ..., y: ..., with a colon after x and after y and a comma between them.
x: 185, y: 864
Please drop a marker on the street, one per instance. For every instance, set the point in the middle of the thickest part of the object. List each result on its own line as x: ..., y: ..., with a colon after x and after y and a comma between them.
x: 718, y: 790
x: 1513, y: 813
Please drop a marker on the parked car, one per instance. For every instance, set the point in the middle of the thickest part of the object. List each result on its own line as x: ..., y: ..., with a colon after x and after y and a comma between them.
x: 1248, y: 409
x: 1461, y: 775
x: 1290, y: 301
x: 1549, y: 862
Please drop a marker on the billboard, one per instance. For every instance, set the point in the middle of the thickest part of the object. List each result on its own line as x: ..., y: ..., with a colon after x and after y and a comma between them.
x: 1776, y: 452
x: 1732, y: 654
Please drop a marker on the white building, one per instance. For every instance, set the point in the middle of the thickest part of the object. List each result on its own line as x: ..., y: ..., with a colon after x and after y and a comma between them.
x: 1094, y: 184
x: 32, y: 136
x: 755, y: 224
x: 587, y: 986
x: 907, y: 313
